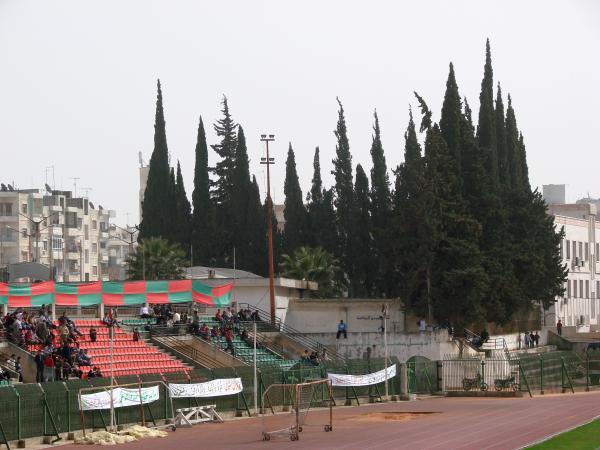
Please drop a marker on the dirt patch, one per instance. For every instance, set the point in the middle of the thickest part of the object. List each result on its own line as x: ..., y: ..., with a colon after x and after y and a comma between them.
x: 390, y: 416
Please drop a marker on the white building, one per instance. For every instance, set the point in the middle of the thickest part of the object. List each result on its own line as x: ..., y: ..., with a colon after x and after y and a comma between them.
x: 580, y: 249
x: 69, y: 235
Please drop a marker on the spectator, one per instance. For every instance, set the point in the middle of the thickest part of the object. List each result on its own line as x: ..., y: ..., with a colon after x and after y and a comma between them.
x: 305, y: 357
x: 39, y: 367
x: 215, y: 332
x: 195, y: 322
x: 422, y: 325
x: 314, y: 358
x: 4, y: 374
x: 254, y: 316
x: 229, y: 340
x: 93, y: 334
x: 19, y: 368
x: 49, y: 368
x: 136, y: 335
x: 218, y: 316
x: 227, y: 316
x: 531, y: 340
x: 342, y: 328
x: 58, y: 366
x: 526, y: 339
x: 94, y: 373
x: 204, y: 332
x: 519, y: 341
x: 559, y: 327
x: 145, y: 312
x: 83, y: 359
x: 176, y: 317
x: 536, y: 339
x: 63, y: 332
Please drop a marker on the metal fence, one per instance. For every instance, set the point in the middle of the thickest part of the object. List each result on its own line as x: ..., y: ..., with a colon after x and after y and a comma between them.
x: 478, y: 374
x: 29, y: 410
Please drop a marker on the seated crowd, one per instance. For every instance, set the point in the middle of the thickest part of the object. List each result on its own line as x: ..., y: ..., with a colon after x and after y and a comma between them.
x: 60, y: 355
x: 164, y: 315
x: 229, y: 323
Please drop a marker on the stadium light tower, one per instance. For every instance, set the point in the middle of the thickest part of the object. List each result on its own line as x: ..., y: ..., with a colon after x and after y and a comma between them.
x: 268, y: 161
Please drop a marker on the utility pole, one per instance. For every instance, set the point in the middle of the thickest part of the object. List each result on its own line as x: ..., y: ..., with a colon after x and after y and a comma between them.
x: 36, y: 233
x: 268, y: 161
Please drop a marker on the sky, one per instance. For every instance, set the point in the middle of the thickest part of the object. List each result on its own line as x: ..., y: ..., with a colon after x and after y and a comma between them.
x: 78, y: 83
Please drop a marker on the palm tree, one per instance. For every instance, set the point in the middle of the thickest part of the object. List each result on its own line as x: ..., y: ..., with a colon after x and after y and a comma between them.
x: 313, y: 264
x: 156, y: 259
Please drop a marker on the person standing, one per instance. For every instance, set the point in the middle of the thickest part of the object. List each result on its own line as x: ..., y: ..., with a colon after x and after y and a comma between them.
x: 536, y: 339
x: 526, y: 339
x: 19, y: 369
x: 531, y: 339
x: 519, y: 339
x: 342, y: 329
x: 559, y: 328
x: 39, y: 367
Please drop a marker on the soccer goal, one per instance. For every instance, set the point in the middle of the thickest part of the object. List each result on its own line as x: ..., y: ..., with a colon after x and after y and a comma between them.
x: 302, y: 398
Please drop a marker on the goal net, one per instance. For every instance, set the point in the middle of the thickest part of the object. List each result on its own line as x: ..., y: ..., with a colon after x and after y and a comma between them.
x: 298, y: 402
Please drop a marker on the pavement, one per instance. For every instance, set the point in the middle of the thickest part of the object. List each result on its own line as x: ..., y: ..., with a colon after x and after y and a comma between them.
x: 452, y: 423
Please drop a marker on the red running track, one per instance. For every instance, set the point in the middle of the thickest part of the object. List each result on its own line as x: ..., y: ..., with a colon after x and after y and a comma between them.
x: 460, y: 423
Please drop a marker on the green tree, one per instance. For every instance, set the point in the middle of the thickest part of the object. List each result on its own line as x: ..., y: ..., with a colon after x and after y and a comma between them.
x: 451, y: 117
x: 501, y: 141
x: 381, y: 208
x: 183, y: 218
x: 486, y: 129
x: 203, y: 220
x: 156, y: 259
x: 344, y: 190
x: 295, y: 233
x: 365, y: 264
x: 223, y: 187
x: 321, y: 212
x: 255, y: 249
x: 158, y: 204
x: 313, y: 264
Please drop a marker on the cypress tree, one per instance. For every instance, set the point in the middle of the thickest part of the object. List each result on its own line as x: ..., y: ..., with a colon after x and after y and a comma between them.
x: 380, y: 211
x: 328, y: 237
x: 514, y: 171
x: 344, y: 189
x: 364, y: 267
x: 183, y: 213
x: 294, y: 234
x: 501, y: 141
x: 450, y: 119
x: 314, y: 199
x: 158, y: 193
x: 255, y: 249
x: 486, y: 130
x: 203, y: 220
x: 411, y: 234
x: 225, y: 129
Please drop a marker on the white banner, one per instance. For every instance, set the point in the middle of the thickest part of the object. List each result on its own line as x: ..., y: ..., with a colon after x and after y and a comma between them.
x: 362, y: 380
x: 121, y: 397
x: 214, y: 388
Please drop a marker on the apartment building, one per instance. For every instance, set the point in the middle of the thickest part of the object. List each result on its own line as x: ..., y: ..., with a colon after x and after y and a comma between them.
x: 580, y: 250
x: 122, y: 241
x: 69, y: 235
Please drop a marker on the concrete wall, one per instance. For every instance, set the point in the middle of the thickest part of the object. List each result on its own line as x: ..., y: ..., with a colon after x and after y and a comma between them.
x: 432, y: 345
x: 361, y: 315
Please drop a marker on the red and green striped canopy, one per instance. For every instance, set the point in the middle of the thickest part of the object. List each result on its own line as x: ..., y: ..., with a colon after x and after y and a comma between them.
x: 114, y: 293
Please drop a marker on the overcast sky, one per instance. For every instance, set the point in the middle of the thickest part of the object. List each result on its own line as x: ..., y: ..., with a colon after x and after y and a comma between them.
x: 78, y: 82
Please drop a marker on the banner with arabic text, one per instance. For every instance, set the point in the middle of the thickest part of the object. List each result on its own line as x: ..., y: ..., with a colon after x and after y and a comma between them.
x: 214, y: 388
x: 362, y: 380
x: 121, y: 397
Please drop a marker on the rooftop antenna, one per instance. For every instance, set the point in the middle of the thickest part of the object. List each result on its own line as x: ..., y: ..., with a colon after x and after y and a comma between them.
x: 74, y: 186
x: 87, y: 191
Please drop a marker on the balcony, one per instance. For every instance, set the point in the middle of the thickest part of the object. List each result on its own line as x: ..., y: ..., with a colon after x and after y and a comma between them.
x: 9, y: 218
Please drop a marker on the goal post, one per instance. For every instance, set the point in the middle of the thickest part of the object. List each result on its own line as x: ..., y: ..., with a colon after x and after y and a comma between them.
x: 303, y: 398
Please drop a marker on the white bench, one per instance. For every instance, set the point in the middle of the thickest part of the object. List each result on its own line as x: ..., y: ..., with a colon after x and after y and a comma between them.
x: 186, y: 417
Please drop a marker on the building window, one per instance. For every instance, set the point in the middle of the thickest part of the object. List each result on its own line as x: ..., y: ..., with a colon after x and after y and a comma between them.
x: 95, y: 270
x: 87, y: 256
x: 71, y: 219
x: 45, y: 246
x: 94, y: 248
x: 94, y: 225
x: 86, y: 232
x: 57, y: 243
x: 574, y: 288
x: 580, y: 288
x: 580, y: 250
x: 568, y: 249
x: 574, y: 249
x: 593, y: 309
x: 587, y: 288
x: 568, y: 288
x: 6, y: 209
x: 597, y: 252
x: 24, y: 208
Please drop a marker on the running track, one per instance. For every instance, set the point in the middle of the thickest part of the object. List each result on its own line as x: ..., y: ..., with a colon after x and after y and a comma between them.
x: 461, y: 423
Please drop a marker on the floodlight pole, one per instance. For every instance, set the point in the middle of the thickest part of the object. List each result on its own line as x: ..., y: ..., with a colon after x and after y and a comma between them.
x: 268, y: 161
x: 385, y: 346
x: 255, y: 374
x: 111, y: 332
